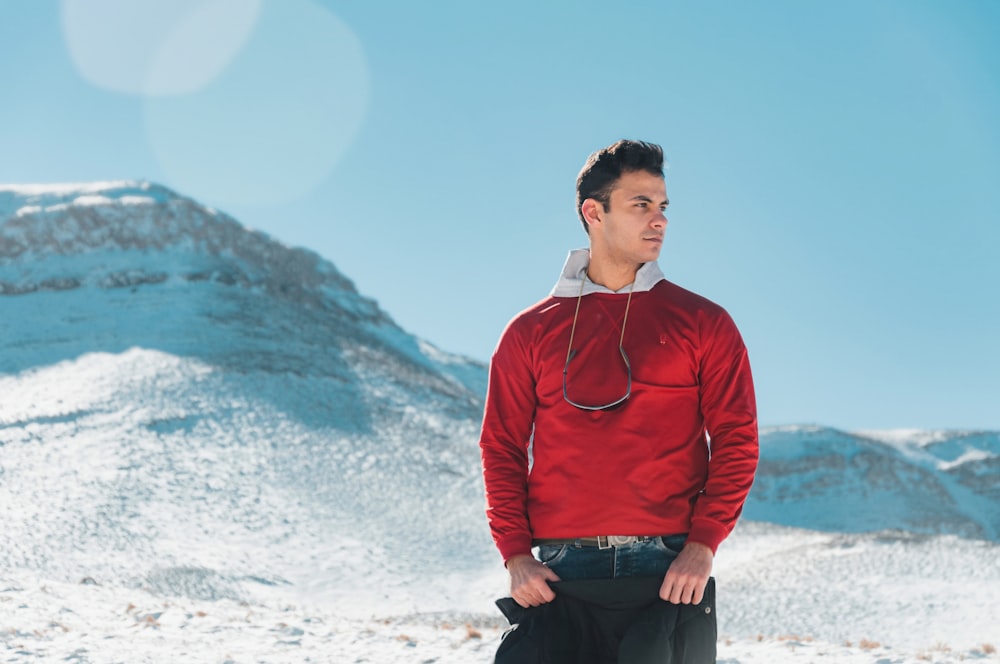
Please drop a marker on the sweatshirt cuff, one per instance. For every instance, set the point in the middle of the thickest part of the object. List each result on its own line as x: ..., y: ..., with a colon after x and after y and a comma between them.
x: 709, y: 533
x: 514, y: 545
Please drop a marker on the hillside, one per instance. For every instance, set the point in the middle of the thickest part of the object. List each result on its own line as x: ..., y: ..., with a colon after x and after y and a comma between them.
x: 185, y: 393
x: 921, y: 482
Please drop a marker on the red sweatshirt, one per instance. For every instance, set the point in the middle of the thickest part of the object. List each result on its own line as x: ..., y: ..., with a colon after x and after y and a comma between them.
x: 677, y: 457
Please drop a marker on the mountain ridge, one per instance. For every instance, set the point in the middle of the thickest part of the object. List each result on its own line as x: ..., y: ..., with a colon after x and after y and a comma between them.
x: 133, y: 235
x: 926, y: 482
x: 78, y: 219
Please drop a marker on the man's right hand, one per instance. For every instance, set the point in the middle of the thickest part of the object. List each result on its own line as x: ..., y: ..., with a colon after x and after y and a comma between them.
x: 529, y: 581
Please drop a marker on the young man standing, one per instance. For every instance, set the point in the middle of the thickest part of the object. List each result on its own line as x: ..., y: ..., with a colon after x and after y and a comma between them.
x: 620, y: 429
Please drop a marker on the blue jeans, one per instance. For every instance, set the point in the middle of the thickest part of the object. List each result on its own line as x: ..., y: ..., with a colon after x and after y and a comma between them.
x: 575, y: 562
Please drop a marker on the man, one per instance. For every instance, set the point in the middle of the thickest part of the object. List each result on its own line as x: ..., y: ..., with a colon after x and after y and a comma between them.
x: 620, y: 430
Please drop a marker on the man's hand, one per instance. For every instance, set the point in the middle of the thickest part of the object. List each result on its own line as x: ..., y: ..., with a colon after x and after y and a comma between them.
x: 528, y: 581
x: 688, y: 574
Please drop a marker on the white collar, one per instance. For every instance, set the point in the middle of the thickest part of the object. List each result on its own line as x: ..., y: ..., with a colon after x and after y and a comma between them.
x: 575, y: 269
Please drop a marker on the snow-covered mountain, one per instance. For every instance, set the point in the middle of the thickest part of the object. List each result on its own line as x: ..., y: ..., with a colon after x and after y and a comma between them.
x: 918, y: 481
x: 181, y: 394
x: 146, y: 267
x: 191, y: 410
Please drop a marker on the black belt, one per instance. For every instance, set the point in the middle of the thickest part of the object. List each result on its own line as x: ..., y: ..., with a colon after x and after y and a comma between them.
x: 601, y: 542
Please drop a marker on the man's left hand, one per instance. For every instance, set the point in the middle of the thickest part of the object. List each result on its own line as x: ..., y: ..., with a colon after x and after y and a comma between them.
x: 688, y: 574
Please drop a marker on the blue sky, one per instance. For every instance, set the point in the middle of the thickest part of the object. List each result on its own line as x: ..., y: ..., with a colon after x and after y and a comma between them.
x: 834, y: 168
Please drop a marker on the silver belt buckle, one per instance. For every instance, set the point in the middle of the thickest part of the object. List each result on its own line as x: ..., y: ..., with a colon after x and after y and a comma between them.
x: 622, y: 540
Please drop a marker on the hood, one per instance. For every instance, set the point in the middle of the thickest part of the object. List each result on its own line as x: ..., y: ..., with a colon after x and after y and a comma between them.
x: 575, y: 271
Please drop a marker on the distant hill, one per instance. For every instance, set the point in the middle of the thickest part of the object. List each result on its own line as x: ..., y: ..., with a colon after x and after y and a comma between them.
x: 919, y: 481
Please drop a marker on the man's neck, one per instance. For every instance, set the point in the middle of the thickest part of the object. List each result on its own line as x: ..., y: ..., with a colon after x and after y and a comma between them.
x: 612, y: 276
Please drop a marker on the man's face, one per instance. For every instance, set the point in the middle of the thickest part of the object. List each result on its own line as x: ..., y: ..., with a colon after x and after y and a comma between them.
x: 631, y: 229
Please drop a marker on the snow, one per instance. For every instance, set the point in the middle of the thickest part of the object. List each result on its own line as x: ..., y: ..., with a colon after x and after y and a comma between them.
x: 64, y: 189
x: 29, y: 199
x: 213, y: 449
x: 92, y: 623
x: 886, y: 618
x: 204, y: 556
x: 967, y: 456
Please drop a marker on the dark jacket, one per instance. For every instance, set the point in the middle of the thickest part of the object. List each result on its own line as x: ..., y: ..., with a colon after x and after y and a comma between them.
x: 610, y: 621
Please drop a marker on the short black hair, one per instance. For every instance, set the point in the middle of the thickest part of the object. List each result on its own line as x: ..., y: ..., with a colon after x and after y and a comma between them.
x: 603, y: 169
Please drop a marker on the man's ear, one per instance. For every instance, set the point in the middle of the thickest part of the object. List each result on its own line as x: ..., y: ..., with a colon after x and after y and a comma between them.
x: 592, y: 211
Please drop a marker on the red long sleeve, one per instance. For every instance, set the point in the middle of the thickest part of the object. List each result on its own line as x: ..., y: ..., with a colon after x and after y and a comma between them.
x: 643, y: 468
